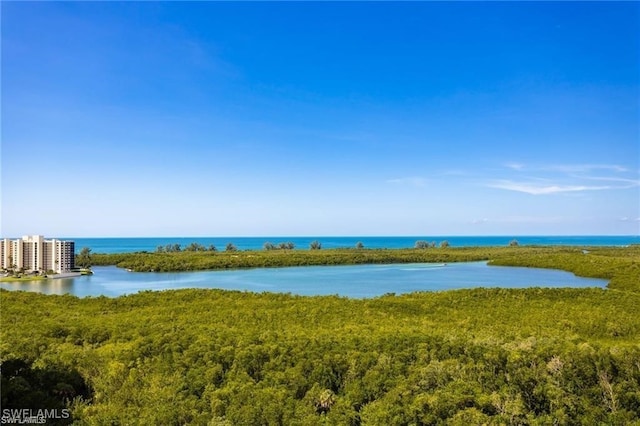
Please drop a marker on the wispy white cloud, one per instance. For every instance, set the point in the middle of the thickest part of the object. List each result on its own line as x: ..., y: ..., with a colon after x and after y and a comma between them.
x: 567, y: 168
x: 411, y: 181
x: 567, y: 178
x: 538, y: 189
x: 586, y: 168
x: 479, y: 221
x: 628, y: 183
x: 515, y: 166
x: 629, y: 219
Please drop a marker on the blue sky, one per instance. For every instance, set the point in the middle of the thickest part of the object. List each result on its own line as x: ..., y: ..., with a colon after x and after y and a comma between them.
x: 252, y: 119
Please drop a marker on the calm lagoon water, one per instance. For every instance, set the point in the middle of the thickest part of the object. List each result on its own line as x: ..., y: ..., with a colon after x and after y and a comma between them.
x: 357, y: 281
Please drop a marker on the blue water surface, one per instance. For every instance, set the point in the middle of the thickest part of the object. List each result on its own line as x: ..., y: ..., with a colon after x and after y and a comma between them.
x: 356, y: 281
x: 127, y: 245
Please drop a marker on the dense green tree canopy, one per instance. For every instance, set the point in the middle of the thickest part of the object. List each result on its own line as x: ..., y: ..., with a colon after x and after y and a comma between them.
x: 176, y: 357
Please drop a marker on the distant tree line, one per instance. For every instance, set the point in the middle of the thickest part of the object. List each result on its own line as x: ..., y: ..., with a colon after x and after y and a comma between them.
x: 269, y: 246
x: 280, y: 246
x: 175, y: 248
x: 421, y: 244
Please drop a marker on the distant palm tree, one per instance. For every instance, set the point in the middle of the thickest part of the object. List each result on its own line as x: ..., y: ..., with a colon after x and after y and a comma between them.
x: 83, y: 259
x: 421, y: 244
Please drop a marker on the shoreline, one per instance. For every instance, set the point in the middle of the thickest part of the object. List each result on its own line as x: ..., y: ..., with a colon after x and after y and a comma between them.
x: 41, y: 278
x: 619, y: 265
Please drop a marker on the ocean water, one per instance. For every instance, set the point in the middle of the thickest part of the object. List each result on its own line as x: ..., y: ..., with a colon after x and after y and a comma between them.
x: 355, y: 281
x: 127, y: 245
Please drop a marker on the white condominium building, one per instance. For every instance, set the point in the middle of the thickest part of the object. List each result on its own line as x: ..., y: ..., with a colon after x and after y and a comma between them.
x: 34, y: 253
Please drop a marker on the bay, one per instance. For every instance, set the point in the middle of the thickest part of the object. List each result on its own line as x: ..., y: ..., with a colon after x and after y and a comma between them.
x: 128, y: 245
x: 355, y: 281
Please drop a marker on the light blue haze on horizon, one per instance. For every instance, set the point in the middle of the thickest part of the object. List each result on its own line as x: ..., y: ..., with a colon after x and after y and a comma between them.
x: 311, y: 118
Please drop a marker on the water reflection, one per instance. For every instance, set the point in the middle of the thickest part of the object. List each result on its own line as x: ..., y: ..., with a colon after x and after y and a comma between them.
x: 50, y: 286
